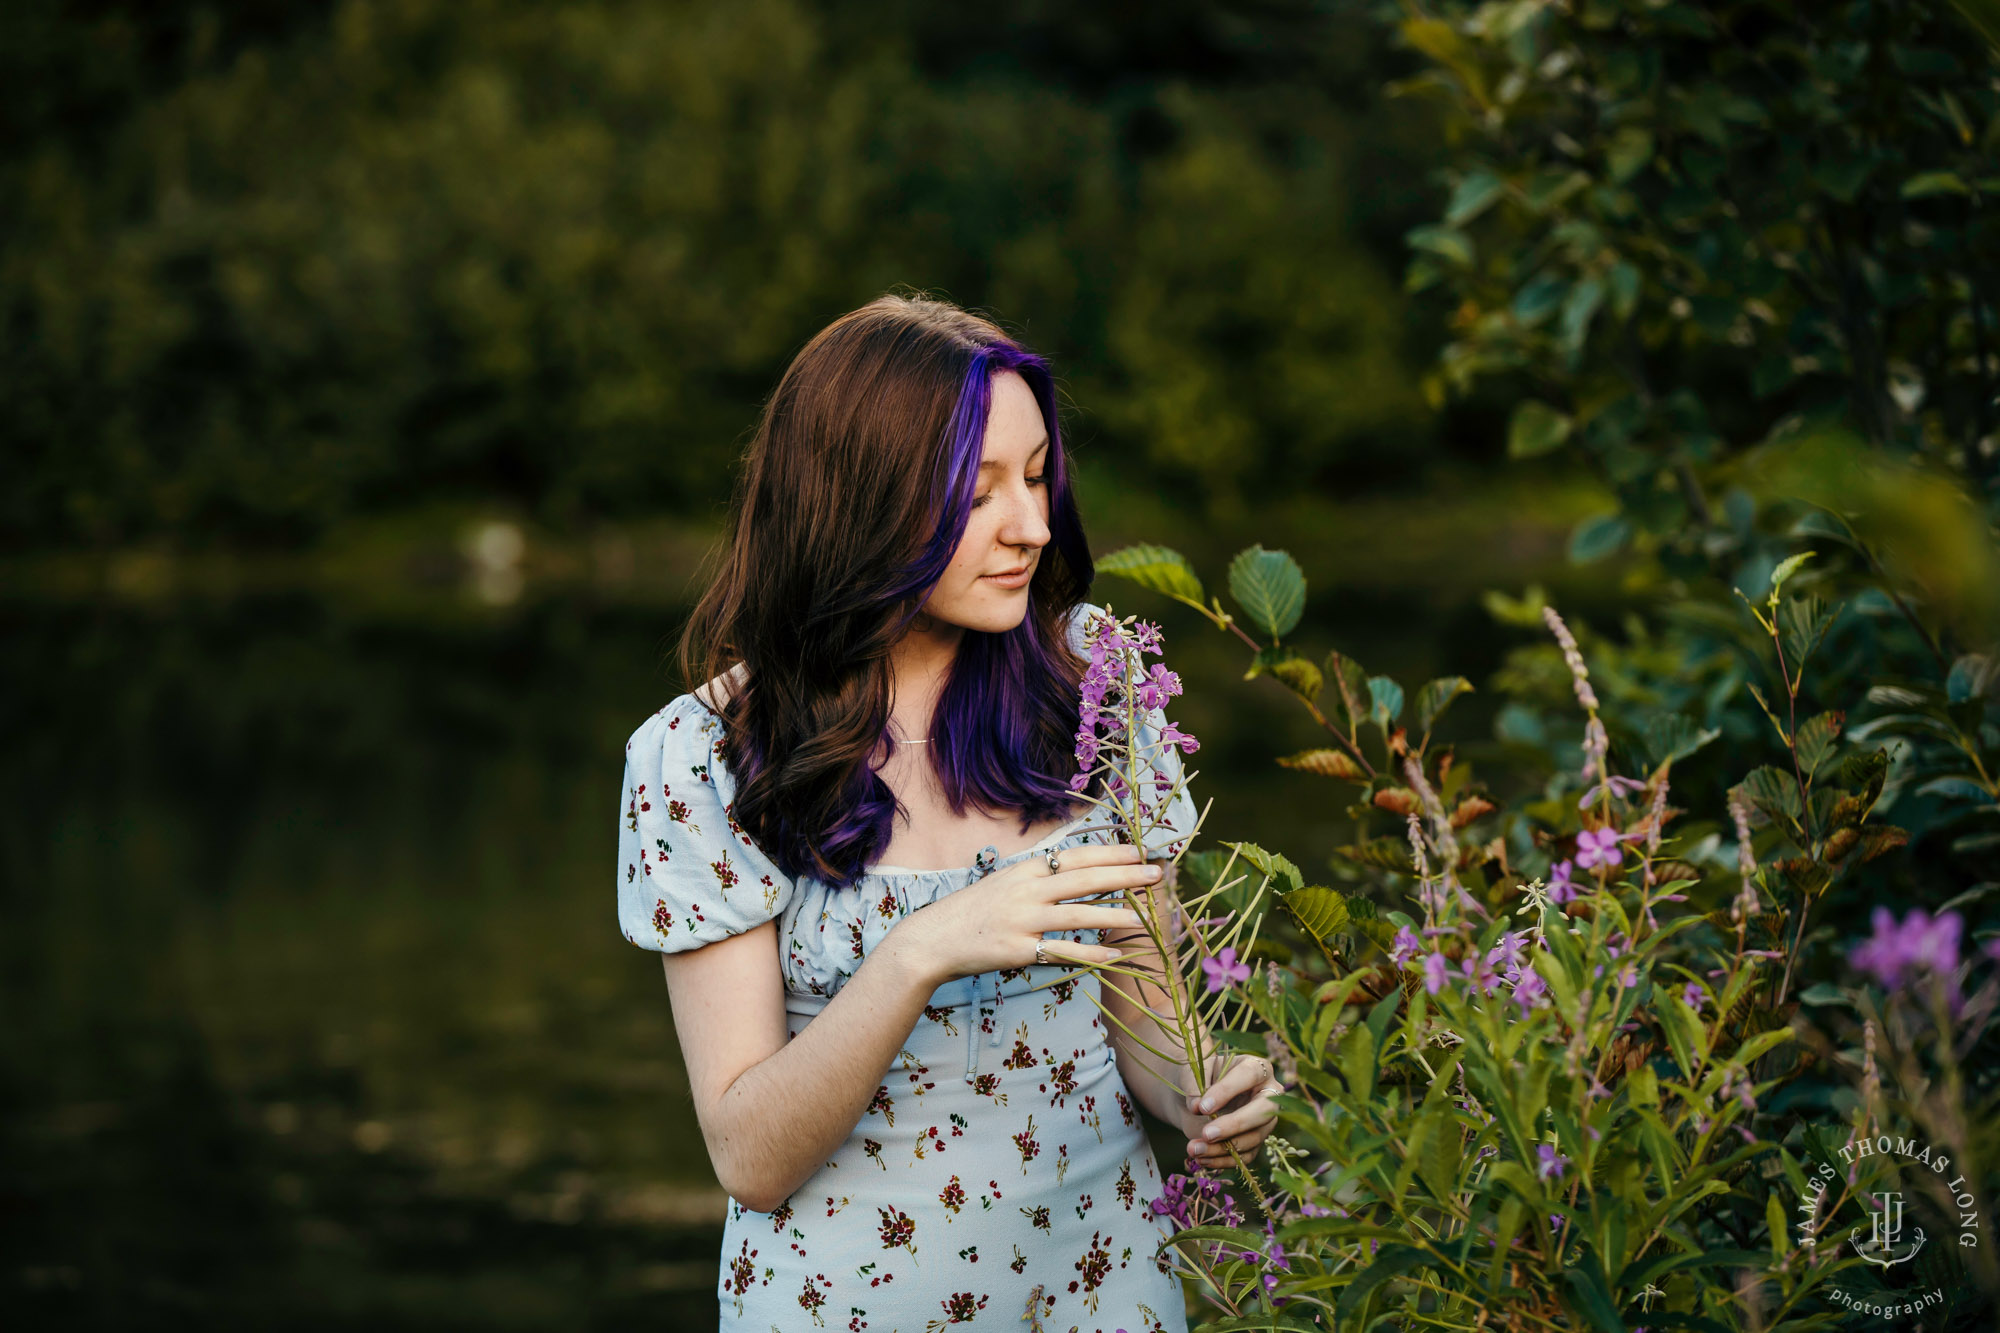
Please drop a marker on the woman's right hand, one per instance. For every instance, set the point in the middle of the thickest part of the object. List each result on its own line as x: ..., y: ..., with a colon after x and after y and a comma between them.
x: 995, y: 923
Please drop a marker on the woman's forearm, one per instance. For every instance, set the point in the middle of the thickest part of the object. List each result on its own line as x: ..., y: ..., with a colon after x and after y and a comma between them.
x: 783, y: 1117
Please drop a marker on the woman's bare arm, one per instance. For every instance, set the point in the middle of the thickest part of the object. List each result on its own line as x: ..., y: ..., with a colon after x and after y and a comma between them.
x: 774, y: 1110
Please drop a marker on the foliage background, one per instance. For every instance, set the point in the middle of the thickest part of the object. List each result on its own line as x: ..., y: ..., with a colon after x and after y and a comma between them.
x: 370, y: 379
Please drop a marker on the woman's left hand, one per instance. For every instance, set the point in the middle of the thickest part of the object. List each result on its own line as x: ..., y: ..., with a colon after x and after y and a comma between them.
x: 1236, y: 1112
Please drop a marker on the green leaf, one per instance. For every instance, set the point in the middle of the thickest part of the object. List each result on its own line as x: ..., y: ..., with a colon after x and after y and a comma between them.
x: 1669, y: 737
x: 1385, y: 701
x: 1435, y: 696
x: 1931, y: 183
x: 1325, y: 764
x: 1582, y: 303
x: 1321, y: 912
x: 1802, y: 623
x: 1816, y: 739
x: 1773, y: 791
x: 1271, y: 865
x: 1155, y: 567
x: 1536, y: 428
x: 1389, y: 1262
x: 1971, y: 677
x: 1786, y: 568
x: 1444, y: 242
x: 1349, y: 697
x: 1630, y: 149
x: 1593, y: 1294
x: 1474, y: 195
x: 1271, y: 589
x: 1297, y: 672
x: 1597, y: 537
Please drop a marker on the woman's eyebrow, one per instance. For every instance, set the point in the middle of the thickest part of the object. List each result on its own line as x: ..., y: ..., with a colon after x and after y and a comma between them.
x: 994, y: 462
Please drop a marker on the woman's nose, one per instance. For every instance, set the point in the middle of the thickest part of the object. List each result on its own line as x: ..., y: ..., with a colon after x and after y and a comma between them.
x: 1026, y: 525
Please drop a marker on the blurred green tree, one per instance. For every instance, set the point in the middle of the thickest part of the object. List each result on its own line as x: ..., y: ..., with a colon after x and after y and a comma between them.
x: 270, y: 268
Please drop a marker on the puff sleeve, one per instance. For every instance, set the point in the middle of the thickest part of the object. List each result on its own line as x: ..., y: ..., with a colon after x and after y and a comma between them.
x: 688, y: 875
x: 1161, y: 783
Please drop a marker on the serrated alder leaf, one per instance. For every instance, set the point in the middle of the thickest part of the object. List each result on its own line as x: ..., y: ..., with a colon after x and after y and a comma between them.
x: 1436, y: 695
x: 1272, y: 865
x: 1159, y: 568
x: 1816, y: 738
x: 1298, y: 674
x: 1271, y: 589
x: 1786, y: 568
x: 1349, y: 695
x: 1321, y: 912
x: 1325, y: 764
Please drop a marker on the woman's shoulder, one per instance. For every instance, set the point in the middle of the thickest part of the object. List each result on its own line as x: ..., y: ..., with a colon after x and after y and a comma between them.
x: 698, y: 713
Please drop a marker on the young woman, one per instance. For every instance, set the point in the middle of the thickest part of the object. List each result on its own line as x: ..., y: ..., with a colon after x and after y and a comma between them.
x: 856, y: 849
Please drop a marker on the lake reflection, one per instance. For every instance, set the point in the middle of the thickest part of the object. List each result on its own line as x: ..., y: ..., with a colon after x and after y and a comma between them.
x: 317, y: 1010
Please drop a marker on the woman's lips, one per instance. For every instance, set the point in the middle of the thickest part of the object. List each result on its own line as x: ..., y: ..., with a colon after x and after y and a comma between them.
x: 1019, y: 580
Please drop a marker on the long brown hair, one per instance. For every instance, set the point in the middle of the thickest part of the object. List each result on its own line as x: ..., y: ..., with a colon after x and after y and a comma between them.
x: 851, y: 500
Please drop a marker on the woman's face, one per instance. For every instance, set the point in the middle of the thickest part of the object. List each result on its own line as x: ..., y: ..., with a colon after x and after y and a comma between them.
x: 1009, y: 524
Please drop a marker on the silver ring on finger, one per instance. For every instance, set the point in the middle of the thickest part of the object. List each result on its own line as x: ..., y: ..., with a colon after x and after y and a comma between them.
x: 1055, y: 864
x: 1041, y: 957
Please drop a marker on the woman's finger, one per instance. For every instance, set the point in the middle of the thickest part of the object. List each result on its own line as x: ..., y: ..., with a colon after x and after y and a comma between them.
x: 1094, y: 918
x: 1258, y: 1113
x: 1090, y: 880
x: 1069, y: 951
x: 1247, y: 1073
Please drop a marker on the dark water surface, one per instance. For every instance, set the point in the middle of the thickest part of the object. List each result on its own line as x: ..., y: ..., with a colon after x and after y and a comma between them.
x: 316, y: 1010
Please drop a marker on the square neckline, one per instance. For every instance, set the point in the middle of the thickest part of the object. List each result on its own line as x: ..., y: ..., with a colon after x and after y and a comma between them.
x: 1052, y: 835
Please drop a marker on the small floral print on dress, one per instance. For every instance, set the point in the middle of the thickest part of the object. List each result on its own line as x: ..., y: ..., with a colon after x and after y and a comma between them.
x: 1095, y: 1266
x: 1128, y: 1189
x: 678, y: 812
x: 859, y: 1321
x: 988, y: 1085
x: 1063, y: 1076
x: 952, y: 1196
x: 883, y: 1103
x: 1013, y: 973
x: 660, y: 846
x: 1038, y: 1217
x: 959, y: 1124
x: 941, y: 1015
x: 1022, y: 1056
x: 898, y: 1230
x: 1125, y: 1108
x: 887, y: 907
x: 871, y: 1148
x: 1062, y: 990
x: 970, y: 1254
x: 959, y: 1308
x: 700, y: 772
x: 742, y: 1272
x: 854, y: 938
x: 1083, y: 1205
x: 663, y: 920
x: 811, y: 1299
x: 1062, y: 1162
x: 1029, y: 1145
x: 1086, y: 1114
x: 770, y: 893
x: 1020, y: 1262
x: 725, y: 875
x: 781, y: 1216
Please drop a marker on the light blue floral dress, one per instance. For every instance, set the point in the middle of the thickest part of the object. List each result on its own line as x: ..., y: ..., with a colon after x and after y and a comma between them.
x: 1001, y: 1174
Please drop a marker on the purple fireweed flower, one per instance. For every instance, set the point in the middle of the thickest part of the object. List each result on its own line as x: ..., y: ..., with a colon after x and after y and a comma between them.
x: 1479, y: 973
x: 1436, y: 971
x: 1921, y: 941
x: 1551, y: 1164
x: 1146, y: 637
x: 1507, y: 953
x: 1561, y: 890
x: 1406, y: 946
x: 1617, y: 785
x: 1173, y: 735
x: 1223, y: 969
x: 1691, y: 996
x: 1159, y: 686
x: 1598, y: 847
x: 1529, y: 988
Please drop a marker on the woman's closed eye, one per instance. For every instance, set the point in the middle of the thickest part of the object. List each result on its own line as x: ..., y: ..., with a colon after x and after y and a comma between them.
x: 1032, y: 481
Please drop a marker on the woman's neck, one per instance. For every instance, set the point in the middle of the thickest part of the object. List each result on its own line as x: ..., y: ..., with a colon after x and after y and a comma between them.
x: 919, y: 664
